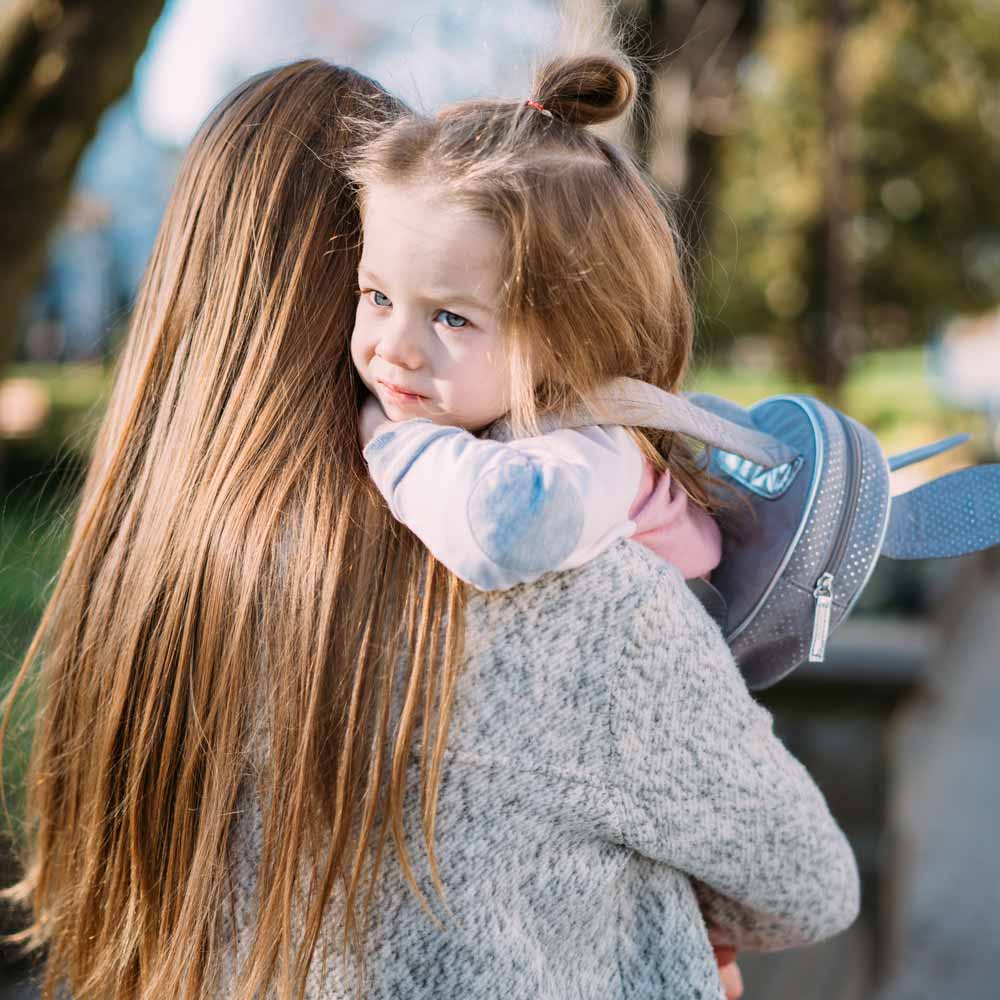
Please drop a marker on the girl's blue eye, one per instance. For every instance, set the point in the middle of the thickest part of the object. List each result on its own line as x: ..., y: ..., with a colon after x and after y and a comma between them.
x: 379, y: 299
x: 448, y: 317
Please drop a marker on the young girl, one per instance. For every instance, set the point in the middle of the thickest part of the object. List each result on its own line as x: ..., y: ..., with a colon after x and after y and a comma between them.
x: 247, y: 672
x: 537, y: 248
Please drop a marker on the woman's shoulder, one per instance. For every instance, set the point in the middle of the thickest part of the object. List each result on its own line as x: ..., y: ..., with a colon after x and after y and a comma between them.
x: 626, y: 621
x: 624, y: 585
x: 547, y: 662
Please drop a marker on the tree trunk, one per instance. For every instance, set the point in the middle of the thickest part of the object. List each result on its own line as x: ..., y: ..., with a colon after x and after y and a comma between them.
x: 61, y: 65
x: 836, y: 342
x: 688, y: 51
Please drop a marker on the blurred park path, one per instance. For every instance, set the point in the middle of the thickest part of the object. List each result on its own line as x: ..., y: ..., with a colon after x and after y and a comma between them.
x: 914, y: 782
x: 946, y: 808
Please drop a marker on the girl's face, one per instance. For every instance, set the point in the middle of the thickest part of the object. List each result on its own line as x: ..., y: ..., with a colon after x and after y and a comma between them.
x: 426, y: 318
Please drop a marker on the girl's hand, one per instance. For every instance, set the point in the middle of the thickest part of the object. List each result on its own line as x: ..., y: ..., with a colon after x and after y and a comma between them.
x: 732, y: 980
x: 725, y: 957
x: 371, y: 417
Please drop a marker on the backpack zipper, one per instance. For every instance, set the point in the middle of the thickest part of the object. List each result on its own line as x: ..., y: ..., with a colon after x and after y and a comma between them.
x: 823, y: 590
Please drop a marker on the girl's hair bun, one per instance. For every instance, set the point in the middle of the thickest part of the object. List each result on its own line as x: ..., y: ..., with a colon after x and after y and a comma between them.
x: 586, y: 90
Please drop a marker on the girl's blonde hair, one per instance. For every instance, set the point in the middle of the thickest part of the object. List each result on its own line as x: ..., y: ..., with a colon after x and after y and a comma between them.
x: 591, y: 279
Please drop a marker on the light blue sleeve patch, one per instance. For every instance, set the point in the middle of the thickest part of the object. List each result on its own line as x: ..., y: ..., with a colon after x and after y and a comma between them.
x: 521, y: 525
x: 378, y: 443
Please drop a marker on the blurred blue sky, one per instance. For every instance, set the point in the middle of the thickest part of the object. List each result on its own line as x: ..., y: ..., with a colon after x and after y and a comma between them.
x: 427, y: 52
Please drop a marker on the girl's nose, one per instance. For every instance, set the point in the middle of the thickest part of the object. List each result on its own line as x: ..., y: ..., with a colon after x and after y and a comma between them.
x: 400, y: 346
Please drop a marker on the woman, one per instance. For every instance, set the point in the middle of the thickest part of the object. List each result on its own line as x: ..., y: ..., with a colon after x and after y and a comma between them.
x: 247, y: 671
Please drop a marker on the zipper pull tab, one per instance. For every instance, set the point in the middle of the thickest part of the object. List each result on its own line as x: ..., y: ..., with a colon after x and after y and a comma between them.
x: 823, y: 592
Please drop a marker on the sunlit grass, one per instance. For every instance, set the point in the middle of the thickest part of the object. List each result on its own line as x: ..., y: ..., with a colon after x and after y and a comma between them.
x: 76, y: 386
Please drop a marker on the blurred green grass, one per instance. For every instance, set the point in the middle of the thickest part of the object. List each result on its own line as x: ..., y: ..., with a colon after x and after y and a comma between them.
x: 76, y: 395
x: 33, y: 537
x: 885, y: 389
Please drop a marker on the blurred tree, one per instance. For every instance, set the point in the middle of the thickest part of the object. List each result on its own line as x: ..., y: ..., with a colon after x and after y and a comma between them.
x: 931, y: 160
x: 858, y: 201
x: 62, y: 62
x: 835, y: 338
x: 687, y: 52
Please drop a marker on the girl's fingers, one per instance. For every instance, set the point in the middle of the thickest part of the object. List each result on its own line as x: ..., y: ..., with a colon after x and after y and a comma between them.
x: 724, y: 954
x: 732, y: 981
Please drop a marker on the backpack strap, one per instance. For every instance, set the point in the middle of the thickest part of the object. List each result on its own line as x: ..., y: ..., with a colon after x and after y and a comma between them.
x: 632, y: 403
x: 711, y: 600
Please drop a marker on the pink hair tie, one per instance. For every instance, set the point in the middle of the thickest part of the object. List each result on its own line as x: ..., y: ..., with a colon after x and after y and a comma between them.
x: 534, y: 104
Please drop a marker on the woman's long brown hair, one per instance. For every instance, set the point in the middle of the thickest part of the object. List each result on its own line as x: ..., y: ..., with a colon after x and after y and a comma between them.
x: 237, y: 608
x: 233, y: 580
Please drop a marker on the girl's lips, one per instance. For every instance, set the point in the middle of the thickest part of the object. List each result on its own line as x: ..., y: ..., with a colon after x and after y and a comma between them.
x: 400, y: 394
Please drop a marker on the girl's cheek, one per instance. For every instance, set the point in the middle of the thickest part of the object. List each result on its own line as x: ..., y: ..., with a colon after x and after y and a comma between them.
x: 362, y: 352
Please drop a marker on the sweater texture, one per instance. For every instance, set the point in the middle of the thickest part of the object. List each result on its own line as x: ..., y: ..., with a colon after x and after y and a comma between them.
x: 609, y: 783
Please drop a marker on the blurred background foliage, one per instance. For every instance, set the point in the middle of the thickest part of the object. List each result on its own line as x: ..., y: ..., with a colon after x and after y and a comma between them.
x: 916, y: 129
x: 833, y: 167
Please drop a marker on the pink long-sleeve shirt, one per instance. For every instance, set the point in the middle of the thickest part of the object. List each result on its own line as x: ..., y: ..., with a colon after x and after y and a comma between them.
x: 674, y: 528
x: 499, y: 514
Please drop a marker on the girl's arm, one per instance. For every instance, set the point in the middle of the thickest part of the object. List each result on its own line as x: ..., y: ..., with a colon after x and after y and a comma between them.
x: 501, y: 514
x: 705, y: 786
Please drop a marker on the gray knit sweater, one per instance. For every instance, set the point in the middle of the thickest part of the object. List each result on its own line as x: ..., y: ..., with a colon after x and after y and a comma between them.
x: 608, y: 780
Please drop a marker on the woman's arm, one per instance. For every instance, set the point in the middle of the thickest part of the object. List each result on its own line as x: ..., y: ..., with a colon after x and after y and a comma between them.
x: 501, y: 514
x: 704, y: 785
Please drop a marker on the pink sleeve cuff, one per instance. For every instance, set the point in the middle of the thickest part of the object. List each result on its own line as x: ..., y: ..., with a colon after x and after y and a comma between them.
x: 674, y: 528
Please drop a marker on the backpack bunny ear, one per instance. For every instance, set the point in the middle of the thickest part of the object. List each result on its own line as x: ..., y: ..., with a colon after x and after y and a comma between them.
x: 927, y: 451
x: 724, y: 408
x: 951, y: 516
x: 631, y: 402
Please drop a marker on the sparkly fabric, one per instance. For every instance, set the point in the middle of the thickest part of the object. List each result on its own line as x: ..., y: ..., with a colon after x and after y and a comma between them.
x: 951, y: 516
x: 834, y: 521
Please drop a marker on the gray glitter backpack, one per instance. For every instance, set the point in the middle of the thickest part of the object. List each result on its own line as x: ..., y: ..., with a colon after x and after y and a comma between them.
x: 797, y: 556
